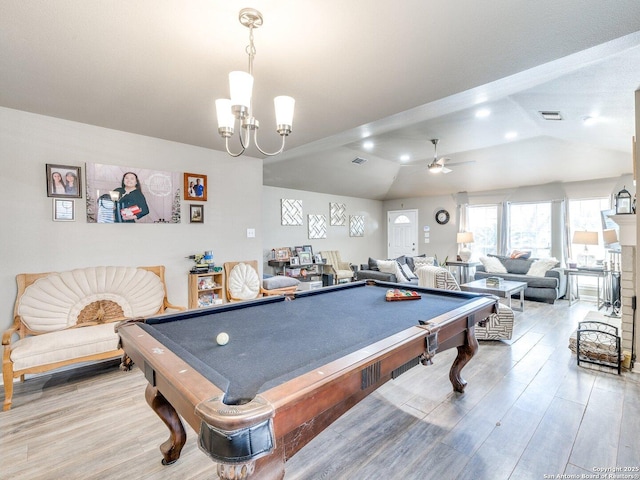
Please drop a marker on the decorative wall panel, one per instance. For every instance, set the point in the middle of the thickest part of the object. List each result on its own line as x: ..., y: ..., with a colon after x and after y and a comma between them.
x: 338, y: 214
x: 317, y: 226
x: 356, y: 226
x: 291, y: 211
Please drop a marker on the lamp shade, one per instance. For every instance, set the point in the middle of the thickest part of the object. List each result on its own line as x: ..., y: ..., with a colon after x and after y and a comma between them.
x: 610, y: 236
x: 224, y: 113
x: 284, y: 109
x: 585, y: 238
x: 464, y: 237
x: 241, y: 88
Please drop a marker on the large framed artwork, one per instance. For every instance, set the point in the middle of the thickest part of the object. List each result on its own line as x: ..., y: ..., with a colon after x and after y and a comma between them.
x: 117, y: 194
x: 195, y: 187
x: 63, y: 181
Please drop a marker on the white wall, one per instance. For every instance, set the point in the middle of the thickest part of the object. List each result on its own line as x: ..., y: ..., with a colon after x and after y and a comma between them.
x: 356, y: 250
x: 30, y: 241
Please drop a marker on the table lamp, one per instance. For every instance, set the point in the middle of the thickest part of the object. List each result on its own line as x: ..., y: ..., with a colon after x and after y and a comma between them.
x: 463, y: 238
x: 585, y: 238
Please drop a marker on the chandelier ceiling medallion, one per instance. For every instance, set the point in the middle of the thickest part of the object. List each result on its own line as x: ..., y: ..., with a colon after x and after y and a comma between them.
x: 239, y: 107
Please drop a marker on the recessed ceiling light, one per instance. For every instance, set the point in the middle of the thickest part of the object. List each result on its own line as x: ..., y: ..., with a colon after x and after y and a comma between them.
x: 368, y: 145
x: 359, y: 160
x: 483, y: 112
x: 550, y: 115
x: 510, y: 135
x: 405, y: 158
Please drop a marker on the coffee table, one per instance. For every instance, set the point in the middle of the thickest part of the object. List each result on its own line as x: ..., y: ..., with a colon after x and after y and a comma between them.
x: 506, y: 289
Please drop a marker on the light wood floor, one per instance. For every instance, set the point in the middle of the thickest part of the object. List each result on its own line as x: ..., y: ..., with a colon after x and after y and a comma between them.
x: 528, y: 411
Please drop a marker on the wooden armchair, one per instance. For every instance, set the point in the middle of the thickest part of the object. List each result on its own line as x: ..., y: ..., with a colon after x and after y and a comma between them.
x: 335, y: 266
x: 243, y: 282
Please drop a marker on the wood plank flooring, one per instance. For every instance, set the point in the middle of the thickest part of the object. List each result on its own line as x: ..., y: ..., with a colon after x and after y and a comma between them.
x: 528, y: 411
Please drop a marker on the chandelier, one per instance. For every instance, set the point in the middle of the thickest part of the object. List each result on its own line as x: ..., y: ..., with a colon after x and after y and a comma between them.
x: 239, y: 106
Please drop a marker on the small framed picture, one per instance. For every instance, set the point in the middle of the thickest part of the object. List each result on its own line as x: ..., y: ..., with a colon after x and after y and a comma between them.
x: 195, y: 187
x: 298, y: 249
x: 196, y: 213
x: 294, y: 261
x: 63, y: 181
x: 283, y: 253
x: 305, y: 258
x: 317, y: 258
x: 307, y: 248
x: 64, y: 210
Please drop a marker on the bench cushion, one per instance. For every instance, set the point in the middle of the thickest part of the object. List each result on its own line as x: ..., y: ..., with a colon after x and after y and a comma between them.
x: 63, y: 345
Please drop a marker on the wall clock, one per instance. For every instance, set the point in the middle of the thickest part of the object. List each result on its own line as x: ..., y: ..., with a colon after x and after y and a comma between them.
x: 442, y: 216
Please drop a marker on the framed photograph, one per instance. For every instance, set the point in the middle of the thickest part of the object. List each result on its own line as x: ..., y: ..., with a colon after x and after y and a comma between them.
x: 64, y: 210
x: 63, y: 181
x: 317, y: 259
x: 307, y: 248
x: 196, y: 213
x: 195, y: 187
x: 283, y: 253
x: 294, y: 261
x: 305, y: 258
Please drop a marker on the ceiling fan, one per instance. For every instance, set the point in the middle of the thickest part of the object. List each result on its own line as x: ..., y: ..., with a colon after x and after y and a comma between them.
x: 437, y: 166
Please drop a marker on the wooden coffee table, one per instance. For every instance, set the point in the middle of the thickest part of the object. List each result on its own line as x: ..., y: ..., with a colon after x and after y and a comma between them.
x: 506, y: 289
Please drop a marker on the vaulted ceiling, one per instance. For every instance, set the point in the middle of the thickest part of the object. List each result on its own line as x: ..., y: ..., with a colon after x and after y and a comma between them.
x: 396, y: 73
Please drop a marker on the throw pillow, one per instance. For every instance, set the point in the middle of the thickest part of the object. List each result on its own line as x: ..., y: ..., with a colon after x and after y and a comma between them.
x: 279, y: 281
x: 406, y: 270
x: 540, y: 267
x: 391, y: 266
x: 493, y: 265
x: 422, y: 261
x: 520, y: 254
x: 373, y: 264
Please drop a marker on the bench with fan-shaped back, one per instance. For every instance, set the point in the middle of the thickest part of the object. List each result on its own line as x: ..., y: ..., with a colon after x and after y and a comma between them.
x: 62, y: 318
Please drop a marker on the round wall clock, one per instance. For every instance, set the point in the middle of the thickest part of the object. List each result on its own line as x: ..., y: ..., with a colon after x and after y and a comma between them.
x: 442, y: 216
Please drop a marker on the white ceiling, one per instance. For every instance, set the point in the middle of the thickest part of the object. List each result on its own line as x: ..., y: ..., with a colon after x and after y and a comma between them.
x: 398, y: 72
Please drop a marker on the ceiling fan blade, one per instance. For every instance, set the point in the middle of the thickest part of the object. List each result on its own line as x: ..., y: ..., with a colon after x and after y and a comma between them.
x: 446, y: 170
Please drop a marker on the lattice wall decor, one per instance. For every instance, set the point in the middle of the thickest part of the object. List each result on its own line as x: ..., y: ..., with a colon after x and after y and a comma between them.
x: 291, y: 211
x: 338, y: 215
x: 317, y: 226
x: 356, y: 225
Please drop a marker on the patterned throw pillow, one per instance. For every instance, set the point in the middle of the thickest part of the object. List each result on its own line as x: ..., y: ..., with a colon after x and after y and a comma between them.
x: 422, y: 261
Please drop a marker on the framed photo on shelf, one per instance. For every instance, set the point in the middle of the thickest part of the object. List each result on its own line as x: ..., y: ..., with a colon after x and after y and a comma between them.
x: 294, y: 261
x: 195, y: 187
x: 317, y: 258
x: 307, y: 248
x: 298, y: 250
x: 283, y: 253
x: 196, y: 213
x: 64, y: 210
x: 305, y: 258
x: 63, y: 181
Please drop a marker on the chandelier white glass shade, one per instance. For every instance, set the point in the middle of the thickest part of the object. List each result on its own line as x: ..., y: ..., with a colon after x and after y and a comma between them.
x: 239, y: 108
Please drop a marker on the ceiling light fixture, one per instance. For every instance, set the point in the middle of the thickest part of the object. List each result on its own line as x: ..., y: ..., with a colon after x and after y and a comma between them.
x: 239, y: 106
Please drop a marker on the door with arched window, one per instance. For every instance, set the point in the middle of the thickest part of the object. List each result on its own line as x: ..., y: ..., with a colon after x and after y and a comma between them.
x: 402, y: 233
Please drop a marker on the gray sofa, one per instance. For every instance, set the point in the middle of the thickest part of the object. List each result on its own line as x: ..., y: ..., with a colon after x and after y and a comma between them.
x: 369, y: 271
x: 541, y: 289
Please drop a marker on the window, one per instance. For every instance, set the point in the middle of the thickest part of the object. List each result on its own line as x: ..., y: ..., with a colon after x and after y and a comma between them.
x: 585, y: 215
x: 482, y: 221
x: 530, y: 228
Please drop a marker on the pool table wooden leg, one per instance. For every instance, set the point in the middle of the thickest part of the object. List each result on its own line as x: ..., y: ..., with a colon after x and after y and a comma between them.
x: 172, y: 447
x: 465, y: 353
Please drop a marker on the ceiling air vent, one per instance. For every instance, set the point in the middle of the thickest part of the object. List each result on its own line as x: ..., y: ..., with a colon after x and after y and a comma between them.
x: 551, y: 115
x: 359, y: 160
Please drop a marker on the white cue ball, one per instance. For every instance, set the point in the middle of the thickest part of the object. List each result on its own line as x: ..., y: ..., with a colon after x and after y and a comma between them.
x: 222, y: 338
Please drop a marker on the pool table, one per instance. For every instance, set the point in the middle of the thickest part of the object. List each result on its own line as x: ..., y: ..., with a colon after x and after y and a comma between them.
x: 292, y: 365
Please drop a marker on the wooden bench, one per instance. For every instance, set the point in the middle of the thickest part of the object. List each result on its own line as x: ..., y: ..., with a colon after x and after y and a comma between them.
x: 61, y: 318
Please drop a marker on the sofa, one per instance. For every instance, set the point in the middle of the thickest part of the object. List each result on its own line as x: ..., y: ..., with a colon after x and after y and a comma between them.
x: 396, y: 270
x: 62, y: 318
x: 547, y: 286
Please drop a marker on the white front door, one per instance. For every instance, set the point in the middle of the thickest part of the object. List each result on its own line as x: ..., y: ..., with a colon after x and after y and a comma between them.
x: 402, y: 233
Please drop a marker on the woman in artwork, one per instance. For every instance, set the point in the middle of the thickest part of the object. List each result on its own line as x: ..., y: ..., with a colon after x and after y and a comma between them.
x: 192, y: 191
x: 132, y: 203
x: 57, y: 184
x: 71, y: 185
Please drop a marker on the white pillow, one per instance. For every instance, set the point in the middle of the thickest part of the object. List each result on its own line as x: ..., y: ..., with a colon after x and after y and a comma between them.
x: 391, y: 266
x: 422, y: 261
x: 493, y: 265
x: 542, y: 266
x: 407, y: 272
x: 244, y: 283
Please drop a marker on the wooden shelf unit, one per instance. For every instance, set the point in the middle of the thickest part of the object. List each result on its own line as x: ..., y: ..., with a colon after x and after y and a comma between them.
x: 206, y: 289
